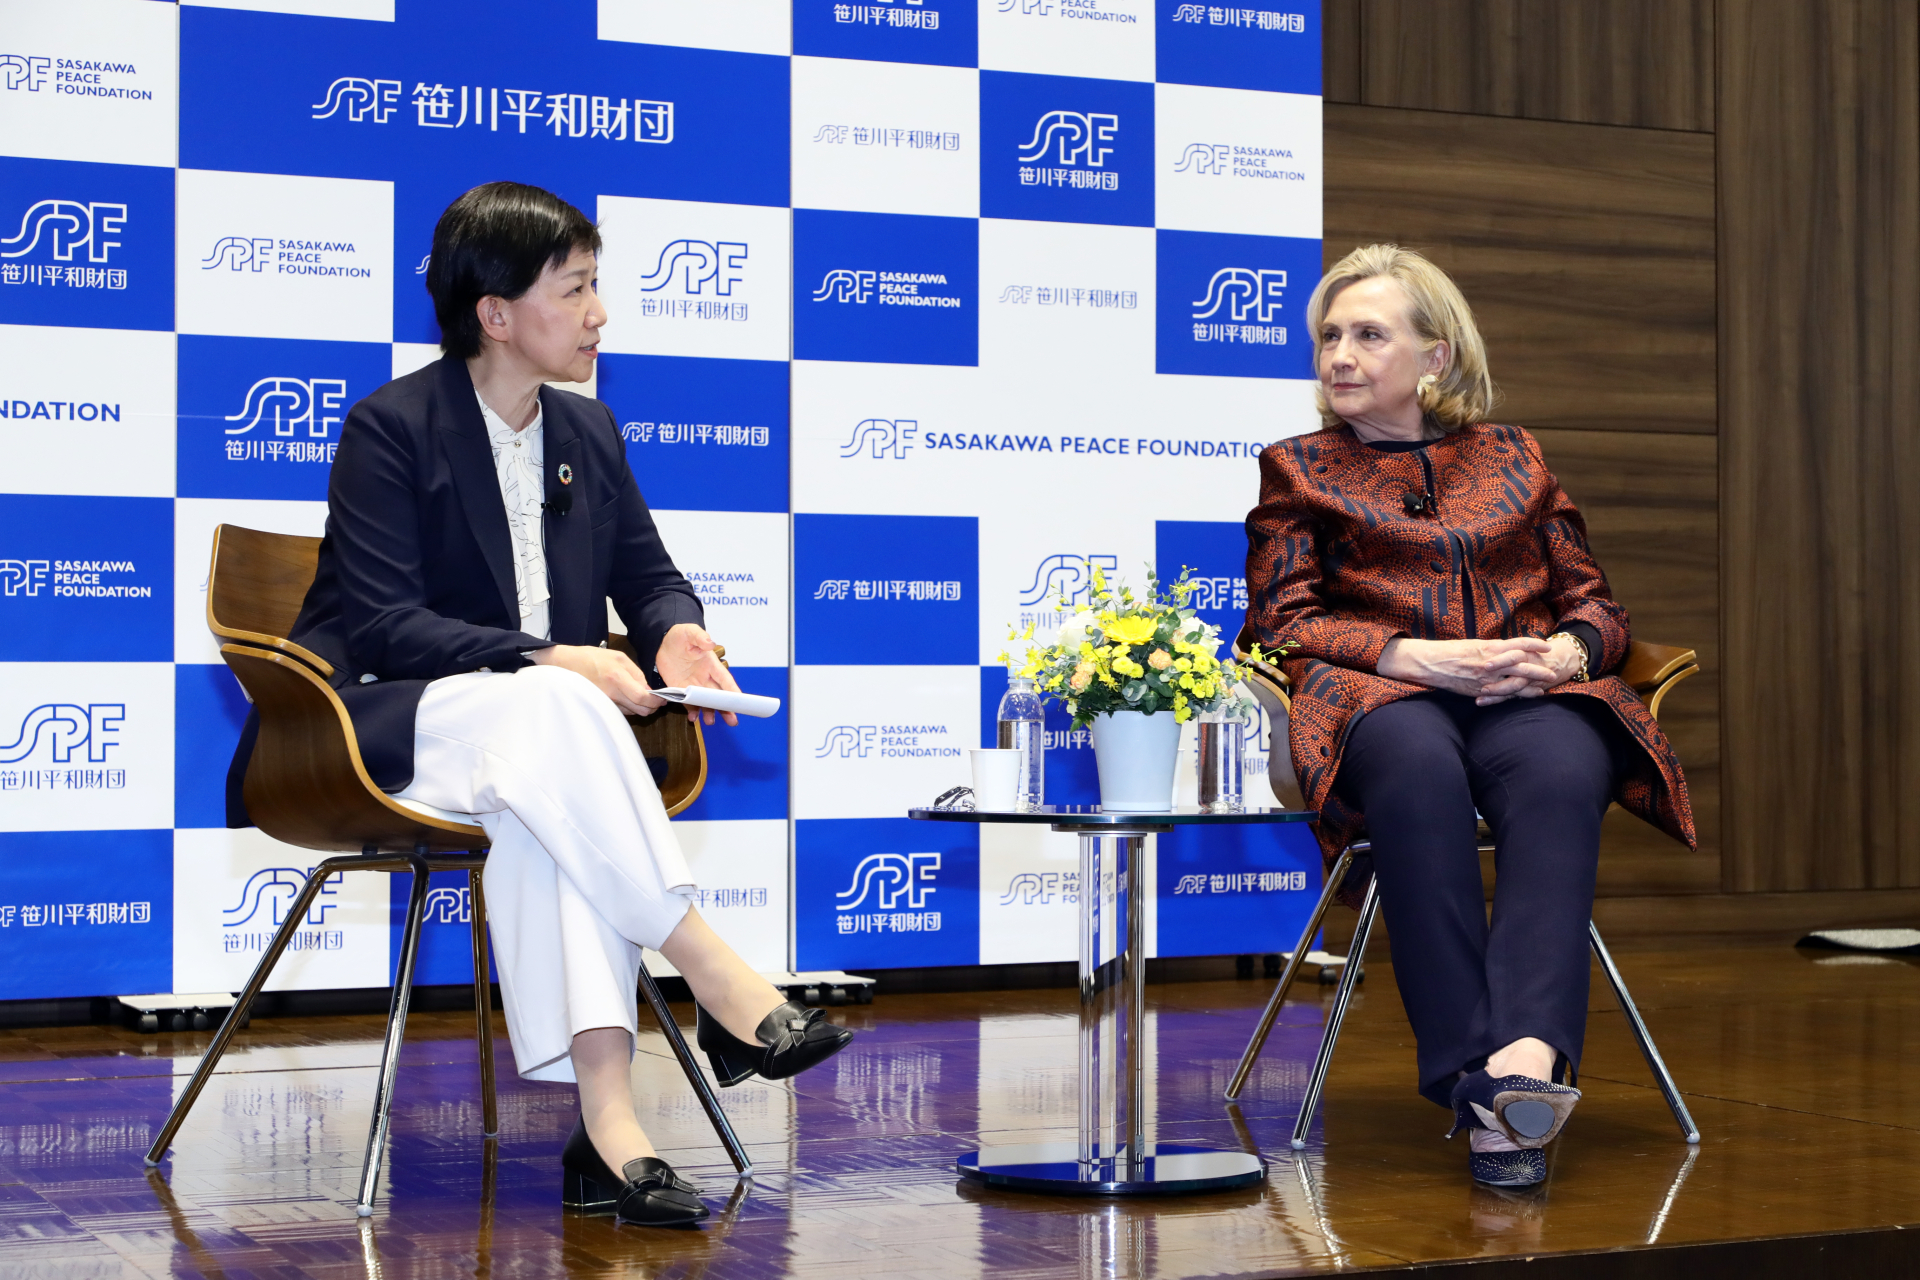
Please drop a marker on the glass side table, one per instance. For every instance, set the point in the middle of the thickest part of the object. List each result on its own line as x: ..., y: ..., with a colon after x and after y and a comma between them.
x: 1112, y: 1155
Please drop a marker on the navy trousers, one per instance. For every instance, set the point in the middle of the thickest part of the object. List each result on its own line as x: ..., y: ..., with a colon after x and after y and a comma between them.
x: 1541, y: 771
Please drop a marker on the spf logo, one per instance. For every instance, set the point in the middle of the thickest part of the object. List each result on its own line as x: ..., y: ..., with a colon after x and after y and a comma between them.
x: 1041, y: 7
x: 361, y: 98
x: 881, y: 438
x: 848, y: 741
x: 1203, y: 157
x: 67, y: 225
x: 275, y: 888
x: 449, y: 905
x: 1066, y: 577
x: 694, y: 263
x: 314, y: 403
x: 1076, y: 137
x: 28, y: 575
x: 842, y: 285
x: 238, y: 253
x: 25, y: 72
x: 1244, y: 293
x: 1031, y: 888
x: 64, y: 728
x: 888, y: 878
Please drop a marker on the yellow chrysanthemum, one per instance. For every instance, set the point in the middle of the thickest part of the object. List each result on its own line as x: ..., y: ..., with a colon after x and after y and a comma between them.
x: 1129, y: 631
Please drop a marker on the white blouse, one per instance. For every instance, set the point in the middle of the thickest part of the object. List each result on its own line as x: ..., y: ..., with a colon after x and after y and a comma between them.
x: 518, y: 461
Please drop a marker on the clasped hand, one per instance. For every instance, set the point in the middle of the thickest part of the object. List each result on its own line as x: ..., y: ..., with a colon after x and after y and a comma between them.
x: 1488, y: 671
x: 687, y: 659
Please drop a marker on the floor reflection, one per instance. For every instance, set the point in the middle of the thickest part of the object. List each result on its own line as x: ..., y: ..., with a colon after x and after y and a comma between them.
x: 854, y: 1162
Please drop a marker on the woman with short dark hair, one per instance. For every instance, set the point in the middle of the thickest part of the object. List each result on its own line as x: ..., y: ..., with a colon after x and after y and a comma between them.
x: 1428, y: 588
x: 478, y: 522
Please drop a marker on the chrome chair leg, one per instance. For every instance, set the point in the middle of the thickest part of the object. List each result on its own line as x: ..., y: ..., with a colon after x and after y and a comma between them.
x: 697, y: 1078
x: 1316, y: 1082
x: 1265, y: 1029
x: 483, y: 1007
x: 396, y: 1033
x: 1648, y: 1050
x: 296, y: 915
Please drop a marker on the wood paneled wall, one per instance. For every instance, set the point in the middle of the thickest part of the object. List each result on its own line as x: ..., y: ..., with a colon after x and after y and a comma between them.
x: 1587, y: 255
x: 1819, y: 172
x: 1642, y: 63
x: 1691, y: 232
x: 1589, y: 251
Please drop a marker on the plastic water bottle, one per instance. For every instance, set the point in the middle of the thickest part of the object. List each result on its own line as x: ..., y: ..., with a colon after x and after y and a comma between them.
x: 1023, y: 727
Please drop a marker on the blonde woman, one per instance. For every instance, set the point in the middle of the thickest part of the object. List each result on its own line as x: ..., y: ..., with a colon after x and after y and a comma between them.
x: 1449, y: 637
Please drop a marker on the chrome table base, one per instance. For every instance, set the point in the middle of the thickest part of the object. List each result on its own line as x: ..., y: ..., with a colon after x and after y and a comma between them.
x: 1055, y: 1168
x: 1113, y: 1155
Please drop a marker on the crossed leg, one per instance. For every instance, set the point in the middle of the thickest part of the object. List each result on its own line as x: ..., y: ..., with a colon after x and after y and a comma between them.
x: 584, y: 871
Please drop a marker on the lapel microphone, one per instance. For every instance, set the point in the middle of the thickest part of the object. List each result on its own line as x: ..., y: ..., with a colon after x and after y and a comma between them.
x: 1418, y: 504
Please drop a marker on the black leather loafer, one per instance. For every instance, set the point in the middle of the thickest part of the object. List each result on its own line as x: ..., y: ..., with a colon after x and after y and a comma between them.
x: 647, y: 1194
x: 792, y: 1038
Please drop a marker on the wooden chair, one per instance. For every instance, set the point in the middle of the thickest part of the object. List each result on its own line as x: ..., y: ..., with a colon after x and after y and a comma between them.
x: 306, y: 785
x: 1651, y: 669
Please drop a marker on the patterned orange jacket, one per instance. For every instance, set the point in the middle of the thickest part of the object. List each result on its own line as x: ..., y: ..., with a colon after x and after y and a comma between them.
x: 1341, y: 559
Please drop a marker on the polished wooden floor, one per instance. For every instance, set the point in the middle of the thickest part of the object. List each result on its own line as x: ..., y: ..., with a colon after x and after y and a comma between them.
x: 1800, y: 1069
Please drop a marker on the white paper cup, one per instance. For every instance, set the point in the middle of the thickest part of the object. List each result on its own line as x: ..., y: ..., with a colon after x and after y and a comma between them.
x: 996, y: 778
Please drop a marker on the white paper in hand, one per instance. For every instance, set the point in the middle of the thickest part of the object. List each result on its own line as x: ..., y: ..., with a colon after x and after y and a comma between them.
x: 744, y: 704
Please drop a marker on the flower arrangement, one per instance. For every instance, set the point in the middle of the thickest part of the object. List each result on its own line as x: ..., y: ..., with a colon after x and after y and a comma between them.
x: 1123, y: 652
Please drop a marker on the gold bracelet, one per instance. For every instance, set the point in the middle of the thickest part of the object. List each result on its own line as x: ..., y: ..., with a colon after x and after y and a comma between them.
x: 1580, y: 676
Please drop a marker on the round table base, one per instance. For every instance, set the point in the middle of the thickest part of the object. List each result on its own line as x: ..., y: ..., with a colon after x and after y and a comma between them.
x: 1053, y: 1168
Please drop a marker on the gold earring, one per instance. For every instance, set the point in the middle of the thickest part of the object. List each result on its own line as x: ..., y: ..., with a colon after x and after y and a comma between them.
x: 1424, y: 388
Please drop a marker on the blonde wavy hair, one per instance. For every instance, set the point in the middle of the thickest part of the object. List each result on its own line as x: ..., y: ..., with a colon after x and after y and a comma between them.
x: 1463, y: 392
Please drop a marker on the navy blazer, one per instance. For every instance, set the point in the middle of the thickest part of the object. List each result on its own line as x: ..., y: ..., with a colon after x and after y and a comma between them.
x: 415, y: 579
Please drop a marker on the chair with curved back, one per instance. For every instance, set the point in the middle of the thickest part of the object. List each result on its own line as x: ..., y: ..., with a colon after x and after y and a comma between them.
x: 307, y: 786
x: 1652, y: 670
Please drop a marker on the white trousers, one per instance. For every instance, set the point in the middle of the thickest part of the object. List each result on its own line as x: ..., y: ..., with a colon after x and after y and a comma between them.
x: 584, y: 870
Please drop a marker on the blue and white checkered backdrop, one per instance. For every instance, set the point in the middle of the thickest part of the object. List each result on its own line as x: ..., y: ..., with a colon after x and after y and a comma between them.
x: 921, y: 309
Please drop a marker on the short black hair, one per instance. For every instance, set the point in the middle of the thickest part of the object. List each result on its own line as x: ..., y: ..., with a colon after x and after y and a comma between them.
x: 495, y: 241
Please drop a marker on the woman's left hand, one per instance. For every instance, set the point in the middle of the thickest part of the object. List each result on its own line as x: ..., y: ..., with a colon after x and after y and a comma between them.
x: 1544, y: 671
x: 687, y: 659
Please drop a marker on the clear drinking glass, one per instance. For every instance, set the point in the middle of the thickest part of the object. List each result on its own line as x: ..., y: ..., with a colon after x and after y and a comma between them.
x: 1023, y: 727
x: 1221, y: 742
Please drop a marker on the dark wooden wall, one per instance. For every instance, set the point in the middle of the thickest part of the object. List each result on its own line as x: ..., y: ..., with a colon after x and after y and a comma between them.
x: 1645, y: 64
x: 1688, y: 230
x: 1819, y: 162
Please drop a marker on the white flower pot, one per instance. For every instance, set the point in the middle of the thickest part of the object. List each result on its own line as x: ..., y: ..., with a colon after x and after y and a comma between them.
x: 1136, y: 755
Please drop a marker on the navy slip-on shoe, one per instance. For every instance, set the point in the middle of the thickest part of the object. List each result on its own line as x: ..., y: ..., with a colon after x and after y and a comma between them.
x: 1526, y: 1167
x: 1529, y: 1112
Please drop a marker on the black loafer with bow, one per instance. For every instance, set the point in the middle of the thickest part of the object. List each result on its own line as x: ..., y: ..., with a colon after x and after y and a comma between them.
x: 646, y: 1193
x: 792, y: 1038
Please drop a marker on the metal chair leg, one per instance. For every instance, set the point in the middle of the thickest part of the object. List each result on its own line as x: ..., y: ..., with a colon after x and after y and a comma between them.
x: 1265, y: 1029
x: 483, y: 1006
x: 396, y: 1033
x: 296, y: 915
x: 1324, y: 1059
x: 695, y: 1077
x: 1658, y: 1065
